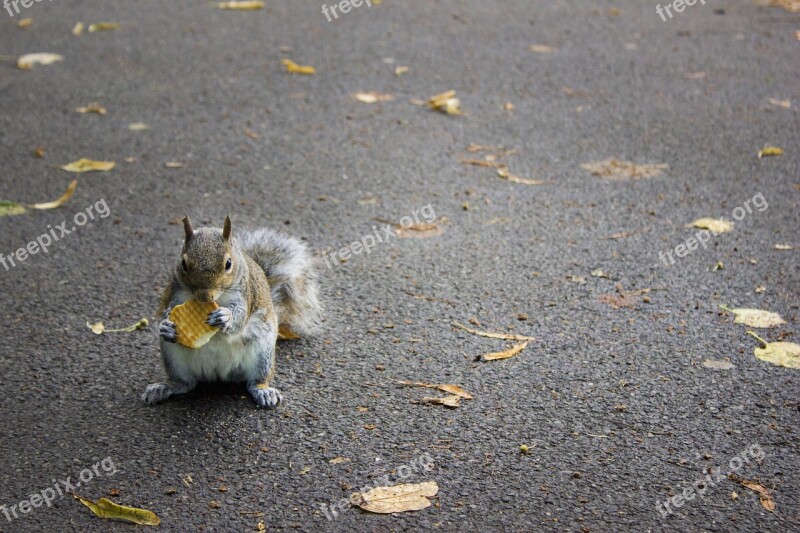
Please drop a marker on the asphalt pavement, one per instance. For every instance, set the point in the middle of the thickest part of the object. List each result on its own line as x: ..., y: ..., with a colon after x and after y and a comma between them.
x: 636, y: 385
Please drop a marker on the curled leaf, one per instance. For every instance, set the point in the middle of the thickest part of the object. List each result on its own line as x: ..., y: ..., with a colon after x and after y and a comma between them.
x: 88, y: 165
x: 764, y: 495
x: 103, y: 26
x: 446, y: 102
x: 105, y: 508
x: 505, y: 354
x: 372, y: 97
x: 769, y: 151
x: 448, y: 401
x: 61, y: 200
x: 92, y: 107
x: 27, y: 61
x: 490, y: 335
x: 397, y: 499
x: 242, y: 5
x: 294, y: 68
x: 786, y: 354
x: 452, y: 389
x: 755, y: 318
x: 712, y: 224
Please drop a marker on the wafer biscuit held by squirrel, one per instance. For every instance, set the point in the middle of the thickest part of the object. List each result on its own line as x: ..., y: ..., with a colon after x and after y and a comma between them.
x: 259, y: 281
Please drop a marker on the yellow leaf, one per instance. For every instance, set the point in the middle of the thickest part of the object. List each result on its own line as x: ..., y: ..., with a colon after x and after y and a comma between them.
x: 24, y: 23
x: 372, y: 97
x: 88, y: 165
x: 242, y: 5
x: 755, y: 318
x: 452, y: 389
x: 786, y: 354
x: 77, y: 29
x: 448, y: 401
x: 29, y: 60
x: 614, y: 169
x: 98, y: 328
x: 768, y: 151
x: 397, y: 499
x: 399, y: 71
x: 783, y: 247
x: 293, y: 67
x: 138, y: 126
x: 446, y: 102
x: 8, y: 208
x: 504, y: 336
x: 61, y: 200
x: 503, y: 173
x: 101, y: 26
x: 105, y: 508
x: 716, y: 225
x: 511, y: 352
x: 92, y: 107
x: 541, y: 48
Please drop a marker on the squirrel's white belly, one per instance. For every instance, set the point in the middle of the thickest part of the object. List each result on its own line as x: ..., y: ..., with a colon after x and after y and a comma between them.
x: 223, y: 358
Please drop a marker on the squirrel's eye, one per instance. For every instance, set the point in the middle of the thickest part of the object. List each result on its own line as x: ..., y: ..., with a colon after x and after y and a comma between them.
x: 228, y: 264
x: 183, y: 265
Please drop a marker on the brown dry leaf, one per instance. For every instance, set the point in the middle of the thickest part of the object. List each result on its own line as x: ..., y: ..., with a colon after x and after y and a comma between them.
x: 294, y: 68
x: 783, y: 247
x: 92, y: 107
x: 505, y: 354
x: 422, y: 230
x: 770, y: 151
x: 763, y: 494
x: 614, y: 169
x: 38, y: 152
x: 541, y: 48
x: 617, y: 301
x: 88, y: 165
x: 786, y: 104
x: 712, y: 224
x: 446, y: 102
x: 372, y: 97
x: 28, y: 61
x: 24, y: 23
x: 490, y: 335
x: 103, y: 26
x: 397, y: 499
x: 105, y: 508
x: 61, y: 200
x: 503, y: 173
x: 242, y: 5
x: 755, y: 318
x: 452, y: 389
x: 786, y: 354
x: 448, y: 401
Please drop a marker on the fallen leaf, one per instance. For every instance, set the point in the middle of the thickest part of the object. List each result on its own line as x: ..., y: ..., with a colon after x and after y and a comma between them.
x: 617, y: 301
x: 763, y: 494
x: 448, y: 401
x: 61, y: 199
x: 598, y: 273
x: 24, y: 23
x: 339, y: 460
x: 174, y: 164
x: 88, y: 165
x: 399, y: 71
x: 293, y: 67
x: 39, y: 152
x: 8, y: 208
x: 105, y: 508
x: 98, y: 328
x: 719, y: 266
x: 103, y: 26
x: 419, y: 231
x: 783, y: 247
x: 446, y: 102
x: 786, y: 354
x: 769, y: 151
x: 577, y: 279
x: 717, y: 365
x: 786, y: 104
x: 614, y: 169
x: 261, y: 526
x: 372, y: 97
x: 755, y: 318
x: 452, y: 389
x: 92, y: 107
x: 29, y: 60
x: 397, y: 499
x: 524, y: 448
x: 541, y: 48
x: 242, y: 5
x: 715, y: 225
x: 305, y: 470
x: 760, y: 289
x: 77, y: 29
x: 508, y: 106
x: 505, y: 354
x: 138, y: 126
x: 490, y: 335
x: 503, y: 173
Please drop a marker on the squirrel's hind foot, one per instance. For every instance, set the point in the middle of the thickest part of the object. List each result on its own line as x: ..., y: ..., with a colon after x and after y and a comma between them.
x: 265, y: 396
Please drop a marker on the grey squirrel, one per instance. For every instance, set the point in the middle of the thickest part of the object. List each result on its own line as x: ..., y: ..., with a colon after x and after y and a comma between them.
x: 265, y: 283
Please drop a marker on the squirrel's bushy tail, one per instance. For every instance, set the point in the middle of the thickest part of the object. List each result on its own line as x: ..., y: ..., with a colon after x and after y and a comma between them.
x: 292, y: 276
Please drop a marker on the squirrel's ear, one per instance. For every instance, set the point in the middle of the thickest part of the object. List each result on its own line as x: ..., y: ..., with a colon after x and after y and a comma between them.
x: 226, y: 229
x: 187, y: 227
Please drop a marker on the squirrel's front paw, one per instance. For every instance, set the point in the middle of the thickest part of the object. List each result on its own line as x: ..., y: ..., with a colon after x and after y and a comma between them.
x: 168, y: 332
x: 220, y: 318
x: 268, y: 397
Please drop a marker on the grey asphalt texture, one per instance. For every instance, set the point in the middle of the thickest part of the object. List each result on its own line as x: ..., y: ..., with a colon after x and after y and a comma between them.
x: 615, y: 405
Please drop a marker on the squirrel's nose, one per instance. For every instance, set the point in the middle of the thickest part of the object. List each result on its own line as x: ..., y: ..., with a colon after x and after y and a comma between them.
x: 206, y: 296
